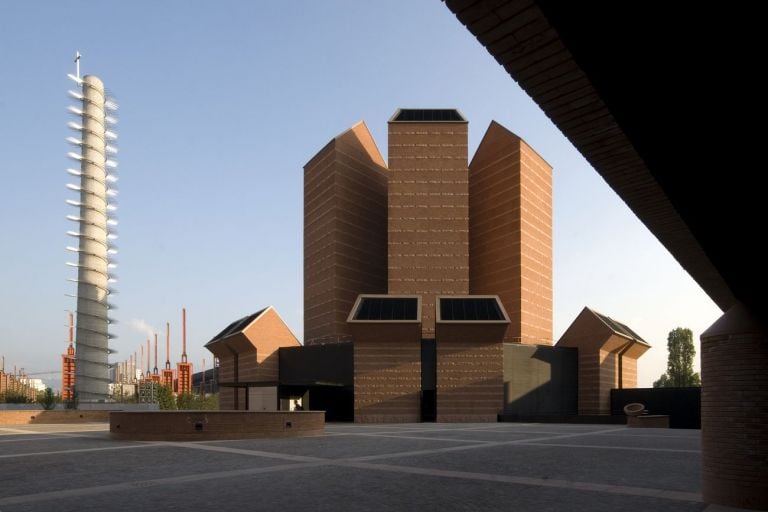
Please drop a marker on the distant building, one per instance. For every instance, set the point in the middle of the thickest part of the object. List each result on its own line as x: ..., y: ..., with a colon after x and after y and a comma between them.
x: 608, y: 353
x: 68, y: 374
x: 427, y: 285
x: 427, y: 290
x: 68, y: 366
x: 247, y: 350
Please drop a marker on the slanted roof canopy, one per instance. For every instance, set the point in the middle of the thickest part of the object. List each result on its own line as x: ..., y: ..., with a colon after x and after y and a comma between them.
x: 592, y: 332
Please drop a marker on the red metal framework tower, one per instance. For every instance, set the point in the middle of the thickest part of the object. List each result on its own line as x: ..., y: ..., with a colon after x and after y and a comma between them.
x: 167, y: 373
x: 184, y: 368
x: 68, y: 365
x: 155, y: 373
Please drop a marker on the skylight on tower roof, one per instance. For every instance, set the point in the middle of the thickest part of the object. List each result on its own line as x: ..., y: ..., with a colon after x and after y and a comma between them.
x: 428, y: 115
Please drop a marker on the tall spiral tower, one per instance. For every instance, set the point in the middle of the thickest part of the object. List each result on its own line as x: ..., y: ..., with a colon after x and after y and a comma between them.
x: 94, y: 112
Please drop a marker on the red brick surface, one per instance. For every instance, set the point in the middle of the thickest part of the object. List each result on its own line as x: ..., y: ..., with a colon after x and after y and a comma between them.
x: 470, y: 372
x: 387, y: 362
x: 251, y: 357
x: 428, y: 213
x: 30, y: 417
x: 345, y: 237
x: 209, y: 425
x: 510, y: 228
x: 599, y: 348
x: 734, y: 419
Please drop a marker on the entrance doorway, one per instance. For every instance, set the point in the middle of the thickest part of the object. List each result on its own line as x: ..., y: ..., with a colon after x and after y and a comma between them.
x: 428, y: 380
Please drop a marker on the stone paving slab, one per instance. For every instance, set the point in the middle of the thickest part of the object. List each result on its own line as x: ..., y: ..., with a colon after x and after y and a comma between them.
x: 520, y: 467
x: 339, y: 446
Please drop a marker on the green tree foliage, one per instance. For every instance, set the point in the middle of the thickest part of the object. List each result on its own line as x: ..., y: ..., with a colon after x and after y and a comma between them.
x: 47, y: 399
x: 13, y: 397
x: 189, y: 402
x: 165, y: 399
x: 680, y: 361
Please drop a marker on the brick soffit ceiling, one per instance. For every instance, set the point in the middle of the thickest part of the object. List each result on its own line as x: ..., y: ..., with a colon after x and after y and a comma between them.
x: 521, y: 38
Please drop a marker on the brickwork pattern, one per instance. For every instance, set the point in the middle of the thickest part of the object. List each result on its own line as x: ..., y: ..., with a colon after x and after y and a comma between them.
x: 345, y: 239
x: 428, y: 213
x: 387, y: 382
x: 251, y: 357
x: 470, y: 380
x: 42, y: 417
x: 211, y: 425
x: 510, y: 226
x: 734, y: 415
x: 599, y: 348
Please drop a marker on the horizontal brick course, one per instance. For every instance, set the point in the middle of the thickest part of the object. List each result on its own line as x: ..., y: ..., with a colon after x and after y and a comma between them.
x: 213, y: 425
x: 344, y: 232
x: 734, y: 414
x: 511, y: 232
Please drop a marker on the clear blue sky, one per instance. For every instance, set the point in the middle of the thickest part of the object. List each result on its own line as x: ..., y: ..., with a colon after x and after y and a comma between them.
x: 222, y: 103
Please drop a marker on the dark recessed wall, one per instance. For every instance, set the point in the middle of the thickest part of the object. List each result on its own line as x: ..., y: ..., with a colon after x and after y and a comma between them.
x: 540, y: 380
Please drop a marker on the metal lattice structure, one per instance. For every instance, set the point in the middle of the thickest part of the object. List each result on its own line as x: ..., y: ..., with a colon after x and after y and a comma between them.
x: 95, y: 221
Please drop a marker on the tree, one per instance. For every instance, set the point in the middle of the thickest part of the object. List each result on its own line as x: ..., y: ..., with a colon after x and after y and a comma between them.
x: 165, y: 398
x: 680, y: 361
x: 47, y: 399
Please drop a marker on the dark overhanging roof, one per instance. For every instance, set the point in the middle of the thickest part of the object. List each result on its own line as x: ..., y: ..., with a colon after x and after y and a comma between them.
x: 427, y: 115
x: 633, y: 86
x: 236, y: 326
x: 619, y: 328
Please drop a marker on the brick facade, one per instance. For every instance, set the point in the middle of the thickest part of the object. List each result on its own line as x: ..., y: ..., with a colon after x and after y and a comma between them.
x: 606, y: 356
x: 345, y: 238
x: 429, y: 224
x: 249, y: 357
x: 510, y: 228
x: 428, y: 212
x: 387, y: 380
x: 470, y: 371
x: 734, y: 411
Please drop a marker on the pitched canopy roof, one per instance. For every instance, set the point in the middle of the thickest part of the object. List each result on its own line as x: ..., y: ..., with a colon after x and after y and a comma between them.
x: 618, y: 327
x: 237, y: 326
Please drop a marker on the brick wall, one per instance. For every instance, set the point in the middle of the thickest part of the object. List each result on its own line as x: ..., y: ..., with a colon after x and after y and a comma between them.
x: 345, y: 239
x: 470, y: 372
x: 210, y: 425
x: 387, y: 381
x: 251, y: 356
x: 428, y: 213
x: 31, y: 417
x: 599, y: 348
x: 734, y: 412
x: 268, y: 334
x: 510, y: 232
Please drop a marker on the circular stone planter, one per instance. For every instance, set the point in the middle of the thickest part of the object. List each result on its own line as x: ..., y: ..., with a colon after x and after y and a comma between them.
x: 634, y: 409
x: 210, y: 425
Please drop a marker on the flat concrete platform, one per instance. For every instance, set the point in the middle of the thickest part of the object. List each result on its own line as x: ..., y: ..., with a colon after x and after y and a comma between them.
x: 488, y: 466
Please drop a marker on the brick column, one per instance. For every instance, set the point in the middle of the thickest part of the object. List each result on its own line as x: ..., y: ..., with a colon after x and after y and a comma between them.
x: 734, y: 411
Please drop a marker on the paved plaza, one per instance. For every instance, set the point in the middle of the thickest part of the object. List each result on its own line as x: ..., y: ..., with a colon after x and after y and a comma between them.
x: 478, y: 467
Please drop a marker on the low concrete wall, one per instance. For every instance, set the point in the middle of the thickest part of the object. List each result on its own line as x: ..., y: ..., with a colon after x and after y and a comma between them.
x: 210, y: 425
x: 39, y: 416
